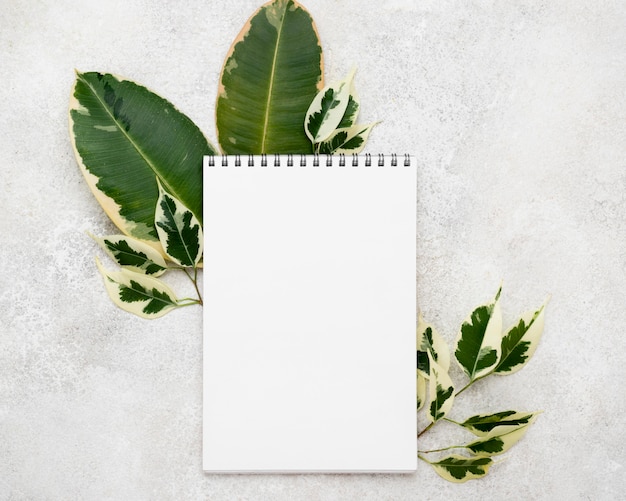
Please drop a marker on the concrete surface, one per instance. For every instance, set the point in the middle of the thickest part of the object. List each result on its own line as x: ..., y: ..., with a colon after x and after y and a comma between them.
x: 516, y: 113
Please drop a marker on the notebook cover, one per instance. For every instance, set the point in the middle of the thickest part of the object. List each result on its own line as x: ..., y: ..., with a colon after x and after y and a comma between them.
x: 309, y: 316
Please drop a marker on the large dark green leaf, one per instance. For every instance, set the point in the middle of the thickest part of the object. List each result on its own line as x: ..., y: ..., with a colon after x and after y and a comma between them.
x: 125, y: 137
x: 270, y: 76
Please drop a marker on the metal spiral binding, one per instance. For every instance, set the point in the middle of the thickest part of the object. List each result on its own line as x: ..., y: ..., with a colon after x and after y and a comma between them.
x: 328, y: 162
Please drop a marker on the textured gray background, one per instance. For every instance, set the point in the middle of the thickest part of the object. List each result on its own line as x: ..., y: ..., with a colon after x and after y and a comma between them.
x: 515, y: 112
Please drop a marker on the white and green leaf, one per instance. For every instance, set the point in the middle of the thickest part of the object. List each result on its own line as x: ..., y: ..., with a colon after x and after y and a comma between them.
x: 133, y: 254
x: 179, y: 230
x: 352, y: 111
x: 145, y: 296
x: 520, y: 342
x: 346, y: 140
x: 478, y: 344
x: 486, y: 425
x: 500, y: 442
x: 327, y: 109
x: 421, y: 390
x: 429, y: 342
x: 458, y: 469
x: 441, y: 392
x: 124, y: 136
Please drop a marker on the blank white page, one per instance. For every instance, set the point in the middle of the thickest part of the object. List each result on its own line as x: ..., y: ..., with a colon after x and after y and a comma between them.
x: 309, y: 316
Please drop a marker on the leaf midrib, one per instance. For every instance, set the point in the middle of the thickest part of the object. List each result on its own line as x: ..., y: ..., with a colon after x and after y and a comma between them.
x: 143, y: 155
x: 271, y: 88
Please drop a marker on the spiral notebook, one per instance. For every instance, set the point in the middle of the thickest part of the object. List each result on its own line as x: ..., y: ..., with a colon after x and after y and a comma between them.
x: 310, y: 314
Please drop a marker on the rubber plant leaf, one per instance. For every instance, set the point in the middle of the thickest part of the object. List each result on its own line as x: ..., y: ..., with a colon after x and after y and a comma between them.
x: 270, y: 76
x: 456, y: 468
x: 132, y: 254
x: 179, y: 230
x: 327, y: 109
x: 145, y: 296
x: 350, y: 140
x: 124, y: 137
x: 485, y: 425
x: 430, y: 344
x: 478, y: 343
x: 520, y: 342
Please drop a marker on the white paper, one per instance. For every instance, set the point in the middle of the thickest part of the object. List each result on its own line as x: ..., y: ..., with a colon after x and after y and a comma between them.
x: 309, y: 317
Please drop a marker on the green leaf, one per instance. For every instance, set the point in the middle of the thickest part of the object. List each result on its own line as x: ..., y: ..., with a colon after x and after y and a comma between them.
x: 271, y: 74
x: 441, y: 392
x: 421, y: 390
x: 136, y: 293
x: 350, y: 140
x: 429, y: 342
x: 179, y: 230
x: 327, y: 109
x: 352, y: 111
x: 478, y: 343
x: 133, y: 254
x: 123, y: 137
x: 499, y: 443
x: 456, y: 468
x: 486, y: 425
x: 521, y: 341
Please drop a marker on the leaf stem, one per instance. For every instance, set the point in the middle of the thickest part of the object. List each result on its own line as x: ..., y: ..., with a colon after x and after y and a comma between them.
x: 464, y: 388
x: 472, y: 382
x: 426, y: 429
x: 195, y: 283
x: 190, y: 302
x: 442, y: 449
x: 194, y: 280
x: 419, y: 456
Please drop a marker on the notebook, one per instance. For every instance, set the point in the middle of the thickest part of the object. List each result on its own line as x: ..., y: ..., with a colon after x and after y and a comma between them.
x: 309, y: 314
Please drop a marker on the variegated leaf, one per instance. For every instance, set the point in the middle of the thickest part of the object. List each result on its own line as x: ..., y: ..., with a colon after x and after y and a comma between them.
x: 123, y: 136
x: 421, y: 390
x: 498, y: 443
x: 520, y: 342
x: 478, y: 344
x: 133, y: 254
x: 429, y: 342
x: 137, y: 293
x: 350, y: 140
x: 352, y: 111
x: 327, y: 109
x: 441, y: 391
x: 456, y: 468
x: 178, y: 229
x: 486, y: 425
x: 271, y: 74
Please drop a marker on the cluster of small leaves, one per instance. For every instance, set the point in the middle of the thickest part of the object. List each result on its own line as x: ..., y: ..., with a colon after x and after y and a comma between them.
x: 330, y: 120
x: 482, y: 348
x: 135, y: 287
